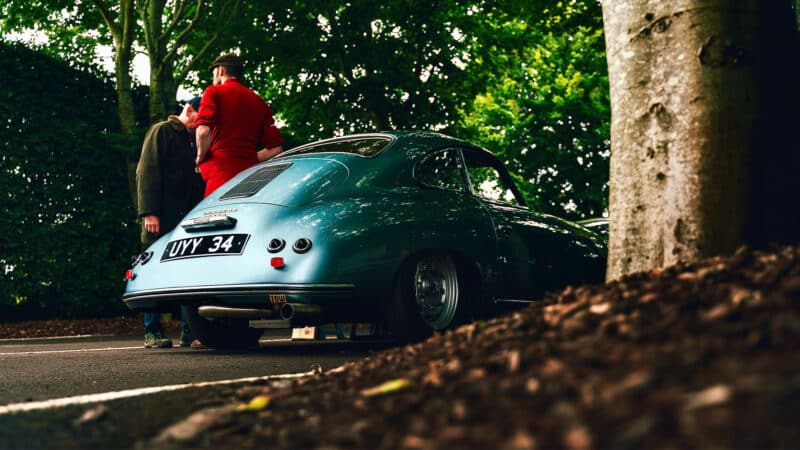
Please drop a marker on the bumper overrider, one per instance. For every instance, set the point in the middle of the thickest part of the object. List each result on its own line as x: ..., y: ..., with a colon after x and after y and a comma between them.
x: 295, y: 302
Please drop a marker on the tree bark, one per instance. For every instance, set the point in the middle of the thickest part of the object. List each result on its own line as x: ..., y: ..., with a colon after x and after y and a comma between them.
x: 122, y: 33
x: 692, y: 123
x: 151, y: 14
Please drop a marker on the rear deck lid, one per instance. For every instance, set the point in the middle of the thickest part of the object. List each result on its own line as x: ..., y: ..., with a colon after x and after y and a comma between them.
x: 287, y: 182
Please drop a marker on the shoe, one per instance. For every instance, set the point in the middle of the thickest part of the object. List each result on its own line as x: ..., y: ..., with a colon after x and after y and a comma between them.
x: 196, y: 344
x: 186, y: 340
x: 156, y: 340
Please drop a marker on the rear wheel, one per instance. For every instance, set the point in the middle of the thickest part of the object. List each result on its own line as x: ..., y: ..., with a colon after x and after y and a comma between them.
x: 431, y: 293
x: 221, y: 333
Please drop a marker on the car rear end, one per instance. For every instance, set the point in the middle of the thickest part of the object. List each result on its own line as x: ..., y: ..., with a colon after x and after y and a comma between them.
x: 260, y: 247
x: 244, y: 246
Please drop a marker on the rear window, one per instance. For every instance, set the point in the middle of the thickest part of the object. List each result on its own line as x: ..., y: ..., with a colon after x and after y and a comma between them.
x: 257, y: 180
x: 369, y: 146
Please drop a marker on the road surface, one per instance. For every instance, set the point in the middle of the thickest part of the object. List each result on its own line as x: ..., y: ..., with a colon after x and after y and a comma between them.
x: 40, y: 369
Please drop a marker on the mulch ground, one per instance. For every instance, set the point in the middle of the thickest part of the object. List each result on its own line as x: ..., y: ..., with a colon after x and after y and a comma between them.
x: 117, y: 326
x: 705, y: 355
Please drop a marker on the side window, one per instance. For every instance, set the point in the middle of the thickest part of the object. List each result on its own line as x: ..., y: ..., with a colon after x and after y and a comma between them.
x: 486, y: 180
x: 442, y: 170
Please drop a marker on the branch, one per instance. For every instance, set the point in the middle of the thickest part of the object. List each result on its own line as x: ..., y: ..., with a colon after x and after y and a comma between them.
x: 128, y: 19
x: 149, y: 43
x: 185, y: 32
x: 209, y: 44
x: 180, y: 9
x: 108, y: 19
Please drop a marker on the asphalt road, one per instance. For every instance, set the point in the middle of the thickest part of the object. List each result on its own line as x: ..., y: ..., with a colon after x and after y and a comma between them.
x: 43, y: 369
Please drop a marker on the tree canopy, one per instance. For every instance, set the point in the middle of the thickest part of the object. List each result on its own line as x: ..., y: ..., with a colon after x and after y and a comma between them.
x: 544, y: 107
x: 161, y: 29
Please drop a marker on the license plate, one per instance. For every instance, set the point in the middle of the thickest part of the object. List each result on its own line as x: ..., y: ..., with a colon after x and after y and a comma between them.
x: 214, y: 245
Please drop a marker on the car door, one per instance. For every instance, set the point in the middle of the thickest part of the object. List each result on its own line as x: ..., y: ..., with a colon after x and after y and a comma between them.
x: 447, y: 215
x: 535, y: 252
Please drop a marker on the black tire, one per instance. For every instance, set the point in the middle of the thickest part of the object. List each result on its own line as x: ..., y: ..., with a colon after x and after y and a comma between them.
x: 431, y: 293
x: 222, y: 333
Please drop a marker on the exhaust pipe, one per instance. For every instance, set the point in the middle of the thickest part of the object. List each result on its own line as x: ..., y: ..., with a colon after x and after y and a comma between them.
x: 300, y: 312
x: 221, y: 312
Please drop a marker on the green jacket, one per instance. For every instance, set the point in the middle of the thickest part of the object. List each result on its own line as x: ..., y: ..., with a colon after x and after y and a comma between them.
x: 166, y: 181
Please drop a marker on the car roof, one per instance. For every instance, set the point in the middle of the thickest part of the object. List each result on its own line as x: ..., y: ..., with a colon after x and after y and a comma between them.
x: 405, y: 138
x: 394, y: 163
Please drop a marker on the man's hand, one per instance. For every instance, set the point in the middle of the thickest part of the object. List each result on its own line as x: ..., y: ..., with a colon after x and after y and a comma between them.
x: 268, y: 153
x: 203, y: 140
x: 152, y: 224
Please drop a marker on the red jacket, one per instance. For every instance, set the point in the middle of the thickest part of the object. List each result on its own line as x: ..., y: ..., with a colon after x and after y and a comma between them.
x: 241, y: 124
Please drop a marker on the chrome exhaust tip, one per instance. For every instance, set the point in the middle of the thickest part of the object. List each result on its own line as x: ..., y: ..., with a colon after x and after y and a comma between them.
x: 300, y: 311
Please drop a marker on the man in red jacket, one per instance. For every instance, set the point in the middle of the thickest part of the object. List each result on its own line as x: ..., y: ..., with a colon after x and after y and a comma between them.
x: 235, y: 127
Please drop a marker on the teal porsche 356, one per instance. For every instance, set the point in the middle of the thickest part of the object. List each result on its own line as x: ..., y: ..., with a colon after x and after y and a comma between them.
x: 416, y: 230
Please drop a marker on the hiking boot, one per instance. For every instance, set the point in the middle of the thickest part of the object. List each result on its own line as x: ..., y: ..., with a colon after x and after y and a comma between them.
x: 186, y: 340
x: 156, y: 340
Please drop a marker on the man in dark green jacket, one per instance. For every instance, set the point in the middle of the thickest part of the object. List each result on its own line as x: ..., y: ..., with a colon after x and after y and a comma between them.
x: 168, y: 187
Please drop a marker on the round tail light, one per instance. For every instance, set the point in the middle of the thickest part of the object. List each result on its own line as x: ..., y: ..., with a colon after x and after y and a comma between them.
x: 276, y: 245
x: 302, y: 245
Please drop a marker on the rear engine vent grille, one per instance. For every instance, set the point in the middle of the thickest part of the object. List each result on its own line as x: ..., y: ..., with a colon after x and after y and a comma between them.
x: 257, y: 180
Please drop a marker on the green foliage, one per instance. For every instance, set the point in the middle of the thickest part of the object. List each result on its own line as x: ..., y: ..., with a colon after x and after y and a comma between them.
x: 73, y: 37
x: 527, y: 80
x: 545, y: 108
x: 331, y: 69
x: 68, y: 230
x: 176, y: 36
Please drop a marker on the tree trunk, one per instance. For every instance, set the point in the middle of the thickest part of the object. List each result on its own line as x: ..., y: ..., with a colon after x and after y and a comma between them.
x: 164, y: 39
x: 158, y: 110
x: 125, y: 105
x: 126, y: 110
x: 123, y: 42
x: 692, y: 121
x: 152, y: 14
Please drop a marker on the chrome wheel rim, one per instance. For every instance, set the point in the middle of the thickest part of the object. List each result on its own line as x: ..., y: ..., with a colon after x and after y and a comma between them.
x: 436, y: 290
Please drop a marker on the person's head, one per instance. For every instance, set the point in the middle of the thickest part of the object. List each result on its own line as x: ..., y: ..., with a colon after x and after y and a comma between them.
x: 194, y: 102
x: 189, y: 113
x: 227, y: 65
